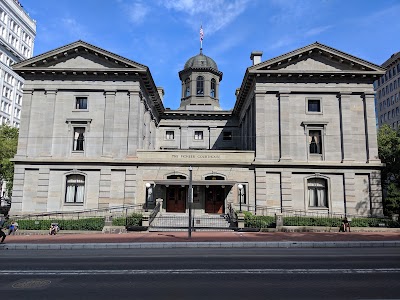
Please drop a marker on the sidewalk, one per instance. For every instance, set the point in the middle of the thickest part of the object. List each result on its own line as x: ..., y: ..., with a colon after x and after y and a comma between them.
x: 203, y: 239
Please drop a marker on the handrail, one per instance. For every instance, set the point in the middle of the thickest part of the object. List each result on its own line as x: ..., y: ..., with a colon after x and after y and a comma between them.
x: 98, y: 212
x: 232, y: 216
x: 154, y: 213
x: 271, y: 211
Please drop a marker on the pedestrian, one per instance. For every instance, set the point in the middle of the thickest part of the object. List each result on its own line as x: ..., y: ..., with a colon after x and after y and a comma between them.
x: 345, y: 224
x: 13, y: 228
x: 3, y: 220
x: 53, y: 229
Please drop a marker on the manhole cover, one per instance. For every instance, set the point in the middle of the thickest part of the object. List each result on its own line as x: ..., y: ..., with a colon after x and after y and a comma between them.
x: 31, y: 284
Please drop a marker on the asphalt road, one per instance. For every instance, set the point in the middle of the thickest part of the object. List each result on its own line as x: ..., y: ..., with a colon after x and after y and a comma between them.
x: 220, y: 273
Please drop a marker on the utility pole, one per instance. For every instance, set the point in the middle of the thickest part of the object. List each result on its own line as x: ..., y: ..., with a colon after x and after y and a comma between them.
x: 190, y: 200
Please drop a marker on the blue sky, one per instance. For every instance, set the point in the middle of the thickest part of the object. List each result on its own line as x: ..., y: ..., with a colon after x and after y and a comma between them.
x: 164, y: 34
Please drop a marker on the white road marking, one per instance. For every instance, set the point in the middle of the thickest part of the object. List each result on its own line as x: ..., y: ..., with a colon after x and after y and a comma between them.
x: 199, y: 271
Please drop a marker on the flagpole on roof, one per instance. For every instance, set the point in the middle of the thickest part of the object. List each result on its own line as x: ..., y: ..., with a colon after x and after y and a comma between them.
x: 201, y: 38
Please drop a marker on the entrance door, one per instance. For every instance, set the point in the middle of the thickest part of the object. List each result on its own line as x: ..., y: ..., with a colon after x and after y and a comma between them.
x: 176, y: 198
x: 215, y: 197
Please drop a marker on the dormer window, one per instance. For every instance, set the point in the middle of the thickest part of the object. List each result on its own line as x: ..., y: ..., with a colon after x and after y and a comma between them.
x: 200, y: 86
x: 212, y: 90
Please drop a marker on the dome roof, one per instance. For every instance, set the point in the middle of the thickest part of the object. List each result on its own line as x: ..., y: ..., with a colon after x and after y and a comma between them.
x: 201, y: 61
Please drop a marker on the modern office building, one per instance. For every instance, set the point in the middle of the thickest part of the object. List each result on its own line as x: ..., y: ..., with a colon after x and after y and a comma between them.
x: 301, y: 135
x: 17, y: 35
x: 387, y: 90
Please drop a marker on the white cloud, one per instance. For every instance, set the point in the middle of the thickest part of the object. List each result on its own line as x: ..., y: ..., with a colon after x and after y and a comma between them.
x: 213, y: 14
x: 74, y: 28
x: 137, y: 12
x: 317, y: 30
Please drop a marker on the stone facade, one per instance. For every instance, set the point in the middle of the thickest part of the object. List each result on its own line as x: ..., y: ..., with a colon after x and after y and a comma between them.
x: 301, y: 135
x: 387, y: 90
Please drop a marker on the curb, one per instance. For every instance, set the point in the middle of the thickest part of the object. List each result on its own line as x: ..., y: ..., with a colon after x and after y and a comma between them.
x: 159, y: 245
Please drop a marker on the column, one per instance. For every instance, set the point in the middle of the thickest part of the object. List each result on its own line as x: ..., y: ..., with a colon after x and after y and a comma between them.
x: 108, y: 122
x: 284, y: 114
x: 370, y: 124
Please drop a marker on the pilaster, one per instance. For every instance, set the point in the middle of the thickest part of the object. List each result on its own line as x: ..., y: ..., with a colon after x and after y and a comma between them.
x: 370, y: 125
x: 286, y: 190
x: 350, y: 192
x: 133, y: 125
x: 284, y: 114
x: 346, y: 126
x: 376, y: 193
x: 23, y: 138
x: 108, y: 129
x: 50, y: 139
x: 104, y: 187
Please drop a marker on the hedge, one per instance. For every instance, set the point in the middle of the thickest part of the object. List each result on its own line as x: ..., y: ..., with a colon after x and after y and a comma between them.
x: 251, y: 221
x: 78, y: 224
x: 133, y: 220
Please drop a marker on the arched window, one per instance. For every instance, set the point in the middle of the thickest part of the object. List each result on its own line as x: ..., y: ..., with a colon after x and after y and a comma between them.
x: 176, y: 176
x: 317, y: 192
x: 212, y: 90
x: 75, y: 189
x: 187, y: 87
x: 200, y: 86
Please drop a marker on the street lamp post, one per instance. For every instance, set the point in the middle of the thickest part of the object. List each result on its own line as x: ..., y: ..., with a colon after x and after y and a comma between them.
x: 148, y: 185
x: 190, y: 199
x: 240, y: 187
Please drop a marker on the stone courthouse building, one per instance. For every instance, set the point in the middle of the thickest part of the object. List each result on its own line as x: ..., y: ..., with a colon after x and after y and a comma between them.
x: 301, y: 136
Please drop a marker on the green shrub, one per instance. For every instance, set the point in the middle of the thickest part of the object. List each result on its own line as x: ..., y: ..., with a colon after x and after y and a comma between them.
x: 311, y: 221
x: 78, y: 224
x: 133, y: 220
x: 251, y: 221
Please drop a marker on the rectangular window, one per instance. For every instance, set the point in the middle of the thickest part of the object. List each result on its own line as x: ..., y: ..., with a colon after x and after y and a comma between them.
x: 198, y: 135
x: 79, y: 139
x: 81, y: 103
x: 315, y: 141
x: 227, y: 135
x: 313, y: 105
x: 170, y: 135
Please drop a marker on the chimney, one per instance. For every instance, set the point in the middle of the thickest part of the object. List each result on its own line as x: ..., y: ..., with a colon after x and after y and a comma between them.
x: 256, y: 57
x: 161, y: 92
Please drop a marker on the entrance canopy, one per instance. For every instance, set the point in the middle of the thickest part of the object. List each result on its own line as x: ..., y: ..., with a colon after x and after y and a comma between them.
x: 194, y: 182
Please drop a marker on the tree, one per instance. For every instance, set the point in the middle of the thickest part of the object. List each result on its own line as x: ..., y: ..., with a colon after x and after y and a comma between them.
x: 8, y: 149
x: 389, y: 153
